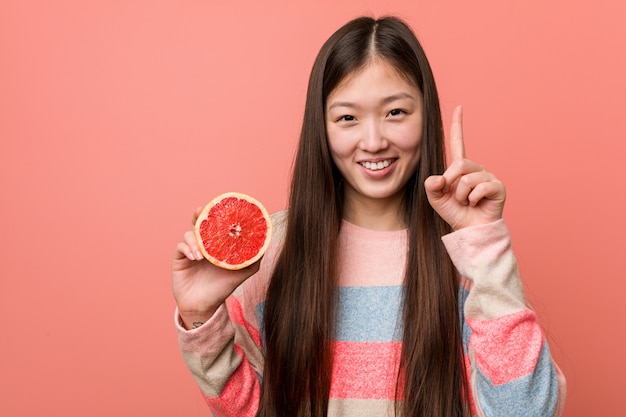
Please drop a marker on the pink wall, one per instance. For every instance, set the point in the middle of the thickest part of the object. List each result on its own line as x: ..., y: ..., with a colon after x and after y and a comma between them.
x: 118, y: 118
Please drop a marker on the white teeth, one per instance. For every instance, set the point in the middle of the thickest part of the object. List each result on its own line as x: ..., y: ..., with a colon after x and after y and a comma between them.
x: 375, y: 166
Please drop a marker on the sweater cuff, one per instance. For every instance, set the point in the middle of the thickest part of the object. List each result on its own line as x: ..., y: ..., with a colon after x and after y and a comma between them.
x: 211, y: 334
x: 477, y: 245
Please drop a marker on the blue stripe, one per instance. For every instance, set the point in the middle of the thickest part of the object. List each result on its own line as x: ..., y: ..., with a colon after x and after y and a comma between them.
x: 259, y: 316
x: 532, y: 395
x: 373, y: 314
x: 466, y: 330
x: 370, y: 314
x: 365, y: 314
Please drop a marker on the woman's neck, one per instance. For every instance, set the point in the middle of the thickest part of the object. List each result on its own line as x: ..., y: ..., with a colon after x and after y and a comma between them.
x: 375, y: 214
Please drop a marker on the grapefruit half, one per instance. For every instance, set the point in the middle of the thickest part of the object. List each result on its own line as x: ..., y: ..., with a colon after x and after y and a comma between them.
x: 233, y: 231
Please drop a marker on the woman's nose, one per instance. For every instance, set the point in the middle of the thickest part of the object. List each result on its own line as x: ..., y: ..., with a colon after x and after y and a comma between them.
x: 373, y: 138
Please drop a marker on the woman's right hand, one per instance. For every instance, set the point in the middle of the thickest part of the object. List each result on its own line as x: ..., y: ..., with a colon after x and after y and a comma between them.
x: 200, y: 287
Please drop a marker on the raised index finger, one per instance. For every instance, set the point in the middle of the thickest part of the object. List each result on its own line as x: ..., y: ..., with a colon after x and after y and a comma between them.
x: 457, y: 146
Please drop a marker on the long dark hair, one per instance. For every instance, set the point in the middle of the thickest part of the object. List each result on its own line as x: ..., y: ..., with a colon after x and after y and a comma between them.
x: 300, y: 308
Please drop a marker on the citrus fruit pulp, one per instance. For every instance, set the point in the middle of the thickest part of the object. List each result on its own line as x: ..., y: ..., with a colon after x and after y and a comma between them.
x: 233, y: 230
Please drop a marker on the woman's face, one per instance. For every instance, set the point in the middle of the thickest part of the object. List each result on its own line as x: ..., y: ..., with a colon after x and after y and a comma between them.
x: 374, y: 129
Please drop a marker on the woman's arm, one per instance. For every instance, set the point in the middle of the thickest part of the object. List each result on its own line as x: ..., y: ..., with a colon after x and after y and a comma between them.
x: 511, y: 369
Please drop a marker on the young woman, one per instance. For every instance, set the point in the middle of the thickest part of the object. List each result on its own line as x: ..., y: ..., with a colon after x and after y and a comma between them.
x: 390, y: 287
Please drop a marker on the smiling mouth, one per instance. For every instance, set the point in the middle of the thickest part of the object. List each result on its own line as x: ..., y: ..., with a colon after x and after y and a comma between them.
x: 377, y: 166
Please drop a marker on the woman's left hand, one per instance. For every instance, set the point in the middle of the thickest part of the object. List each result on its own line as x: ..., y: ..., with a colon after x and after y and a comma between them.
x: 466, y: 194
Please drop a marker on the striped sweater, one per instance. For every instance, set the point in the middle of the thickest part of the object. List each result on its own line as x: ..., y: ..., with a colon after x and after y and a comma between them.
x: 510, y: 368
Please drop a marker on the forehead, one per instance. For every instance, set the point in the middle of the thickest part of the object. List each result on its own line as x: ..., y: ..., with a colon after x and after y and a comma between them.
x: 375, y: 75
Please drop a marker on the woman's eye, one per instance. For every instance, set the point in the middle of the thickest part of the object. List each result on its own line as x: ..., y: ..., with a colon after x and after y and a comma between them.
x: 396, y: 112
x: 346, y: 118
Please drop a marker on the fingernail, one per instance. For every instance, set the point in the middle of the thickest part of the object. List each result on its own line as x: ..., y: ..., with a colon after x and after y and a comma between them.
x: 198, y: 255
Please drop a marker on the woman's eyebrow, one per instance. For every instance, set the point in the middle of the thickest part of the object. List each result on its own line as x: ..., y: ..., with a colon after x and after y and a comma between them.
x: 397, y: 96
x: 342, y: 104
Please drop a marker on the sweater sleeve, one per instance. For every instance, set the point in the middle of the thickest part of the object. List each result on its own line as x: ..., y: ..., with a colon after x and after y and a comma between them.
x: 509, y: 362
x: 225, y: 359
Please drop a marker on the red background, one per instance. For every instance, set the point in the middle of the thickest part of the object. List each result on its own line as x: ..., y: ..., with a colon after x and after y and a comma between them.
x: 119, y: 118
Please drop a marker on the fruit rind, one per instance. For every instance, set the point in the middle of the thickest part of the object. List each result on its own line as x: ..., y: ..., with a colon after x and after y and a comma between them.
x: 203, y: 216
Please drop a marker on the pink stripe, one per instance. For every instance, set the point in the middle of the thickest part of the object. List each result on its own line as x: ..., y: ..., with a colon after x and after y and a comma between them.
x: 235, y: 312
x: 361, y: 370
x: 241, y: 394
x: 508, y: 347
